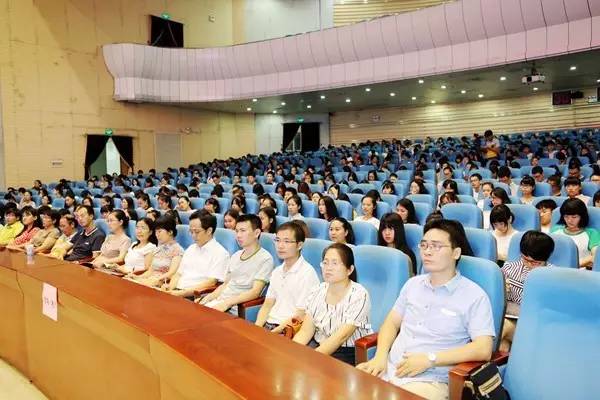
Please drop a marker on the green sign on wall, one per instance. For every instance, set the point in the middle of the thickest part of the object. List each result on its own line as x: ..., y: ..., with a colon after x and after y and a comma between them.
x: 108, y: 132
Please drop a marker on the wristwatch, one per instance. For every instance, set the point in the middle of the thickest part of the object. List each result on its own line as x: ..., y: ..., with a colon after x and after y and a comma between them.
x: 432, y: 358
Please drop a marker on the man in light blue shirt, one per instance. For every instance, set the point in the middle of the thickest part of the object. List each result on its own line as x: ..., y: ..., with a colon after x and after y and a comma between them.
x: 440, y: 319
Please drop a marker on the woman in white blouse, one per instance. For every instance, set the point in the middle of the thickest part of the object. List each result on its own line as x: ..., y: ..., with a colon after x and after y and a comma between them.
x: 501, y: 220
x: 337, y: 311
x: 294, y: 206
x: 139, y: 255
x: 369, y: 209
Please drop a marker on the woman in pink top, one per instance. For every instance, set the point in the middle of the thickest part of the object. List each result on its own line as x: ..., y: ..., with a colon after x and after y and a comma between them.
x: 31, y: 222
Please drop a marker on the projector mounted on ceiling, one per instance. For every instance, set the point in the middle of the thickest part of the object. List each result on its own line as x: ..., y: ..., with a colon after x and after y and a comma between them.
x: 534, y: 77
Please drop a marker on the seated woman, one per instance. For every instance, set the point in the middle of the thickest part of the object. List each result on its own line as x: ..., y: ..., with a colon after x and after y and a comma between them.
x: 316, y: 197
x: 212, y: 206
x: 183, y: 204
x: 327, y: 209
x: 238, y: 203
x: 230, y: 219
x: 68, y: 227
x: 31, y: 224
x: 294, y: 205
x: 139, y: 255
x: 337, y: 311
x: 46, y: 237
x: 12, y: 224
x: 27, y: 200
x: 388, y: 188
x: 267, y: 219
x: 486, y: 192
x: 573, y: 222
x: 143, y: 201
x: 573, y: 188
x: 497, y: 197
x: 417, y: 187
x: 70, y: 202
x: 369, y: 209
x: 127, y: 207
x: 391, y: 234
x: 536, y: 249
x: 448, y: 198
x: 405, y: 208
x: 501, y: 219
x: 334, y: 191
x: 527, y: 187
x: 545, y: 208
x: 340, y: 231
x: 117, y: 242
x: 166, y: 257
x: 450, y: 186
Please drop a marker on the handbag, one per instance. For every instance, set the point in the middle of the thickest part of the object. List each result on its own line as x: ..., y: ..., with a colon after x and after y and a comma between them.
x: 485, y: 383
x: 292, y: 328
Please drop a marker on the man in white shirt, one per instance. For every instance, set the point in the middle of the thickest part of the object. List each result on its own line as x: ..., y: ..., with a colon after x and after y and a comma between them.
x: 248, y: 270
x: 204, y: 263
x: 504, y: 176
x: 290, y: 284
x: 475, y: 180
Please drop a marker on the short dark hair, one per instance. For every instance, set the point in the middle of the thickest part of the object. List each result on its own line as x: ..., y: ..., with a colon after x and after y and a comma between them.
x: 537, y: 245
x: 347, y: 256
x: 504, y: 172
x: 291, y: 226
x: 207, y: 220
x: 121, y: 216
x: 546, y: 203
x: 88, y: 209
x: 253, y: 219
x: 476, y: 175
x: 501, y: 213
x: 572, y: 180
x: 501, y: 194
x: 574, y: 206
x: 447, y: 226
x: 528, y: 181
x: 410, y: 207
x: 537, y: 170
x: 167, y: 223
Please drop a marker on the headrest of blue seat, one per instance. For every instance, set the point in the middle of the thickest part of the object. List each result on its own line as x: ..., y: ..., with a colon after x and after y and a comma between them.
x: 364, y: 233
x: 391, y: 200
x: 465, y: 188
x: 365, y: 187
x: 344, y: 209
x: 467, y: 214
x: 252, y: 206
x: 312, y: 251
x: 483, y: 243
x: 103, y: 226
x: 355, y: 199
x: 382, y: 271
x: 319, y: 228
x: 58, y: 203
x: 589, y: 189
x: 280, y: 220
x: 414, y: 234
x: 556, y: 340
x: 184, y: 216
x: 596, y: 266
x: 224, y: 204
x: 564, y: 255
x: 527, y: 217
x: 281, y: 208
x: 267, y: 243
x: 488, y: 276
x: 382, y: 209
x: 226, y: 237
x: 309, y: 209
x: 131, y: 230
x: 184, y: 237
x: 558, y: 200
x: 466, y: 199
x: 422, y: 211
x: 220, y: 220
x: 423, y: 198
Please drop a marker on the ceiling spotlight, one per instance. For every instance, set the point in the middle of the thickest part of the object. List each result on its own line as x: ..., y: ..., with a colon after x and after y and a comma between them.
x: 367, y: 89
x: 309, y: 106
x: 443, y: 87
x: 348, y: 100
x: 535, y: 89
x: 392, y: 94
x: 480, y: 95
x: 274, y: 111
x: 573, y: 68
x: 413, y: 98
x: 421, y: 81
x: 254, y: 100
x: 502, y: 78
x: 597, y: 80
x: 463, y: 91
x: 248, y: 109
x: 432, y: 101
x: 322, y: 97
x: 283, y: 103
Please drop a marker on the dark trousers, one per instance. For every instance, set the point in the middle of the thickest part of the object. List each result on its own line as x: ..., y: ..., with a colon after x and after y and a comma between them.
x: 344, y: 354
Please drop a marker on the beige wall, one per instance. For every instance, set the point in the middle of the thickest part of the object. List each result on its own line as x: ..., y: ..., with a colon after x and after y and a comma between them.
x: 353, y: 11
x: 55, y: 87
x: 503, y: 116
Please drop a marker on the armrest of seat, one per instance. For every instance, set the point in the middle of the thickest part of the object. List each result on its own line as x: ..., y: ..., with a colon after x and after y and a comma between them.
x: 202, y: 292
x: 362, y: 346
x: 460, y: 373
x: 243, y: 307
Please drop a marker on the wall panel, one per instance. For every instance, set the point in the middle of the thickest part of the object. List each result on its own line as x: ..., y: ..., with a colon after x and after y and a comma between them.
x: 356, y: 10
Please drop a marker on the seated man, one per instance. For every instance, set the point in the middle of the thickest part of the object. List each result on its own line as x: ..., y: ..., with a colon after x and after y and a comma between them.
x: 13, y: 226
x: 88, y: 241
x: 536, y: 248
x: 204, y: 263
x: 573, y: 188
x: 538, y: 174
x: 248, y: 270
x: 69, y: 228
x: 291, y: 283
x: 545, y: 208
x: 440, y: 319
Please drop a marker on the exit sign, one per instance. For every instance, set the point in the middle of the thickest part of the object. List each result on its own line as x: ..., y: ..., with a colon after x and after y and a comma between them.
x: 300, y: 120
x: 108, y: 132
x: 165, y: 16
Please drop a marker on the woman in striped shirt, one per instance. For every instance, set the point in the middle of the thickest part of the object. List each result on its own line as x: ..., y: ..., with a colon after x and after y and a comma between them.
x: 337, y: 311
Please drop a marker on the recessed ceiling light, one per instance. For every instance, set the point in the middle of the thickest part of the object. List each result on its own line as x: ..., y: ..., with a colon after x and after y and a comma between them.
x: 443, y: 87
x: 535, y: 89
x: 480, y: 95
x: 432, y: 101
x: 248, y: 109
x: 254, y: 100
x: 283, y: 103
x: 392, y: 94
x: 348, y: 100
x: 413, y: 98
x: 421, y: 81
x: 463, y: 91
x: 309, y: 106
x: 573, y: 67
x: 322, y: 97
x: 597, y: 80
x: 367, y: 89
x: 274, y: 111
x: 502, y: 78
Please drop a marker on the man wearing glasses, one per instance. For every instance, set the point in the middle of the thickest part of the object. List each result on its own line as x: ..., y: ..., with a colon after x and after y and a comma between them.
x: 204, y: 263
x: 290, y: 284
x: 536, y: 248
x: 440, y: 319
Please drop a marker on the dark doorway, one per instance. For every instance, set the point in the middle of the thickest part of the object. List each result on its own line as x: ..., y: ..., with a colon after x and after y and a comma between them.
x: 165, y: 33
x: 96, y: 153
x: 301, y: 136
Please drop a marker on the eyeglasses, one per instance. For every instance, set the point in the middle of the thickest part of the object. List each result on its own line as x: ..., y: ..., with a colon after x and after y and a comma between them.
x: 333, y: 264
x: 284, y: 241
x: 434, y: 246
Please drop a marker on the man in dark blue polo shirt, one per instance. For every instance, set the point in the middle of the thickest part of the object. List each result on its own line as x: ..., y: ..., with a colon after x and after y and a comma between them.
x: 86, y: 243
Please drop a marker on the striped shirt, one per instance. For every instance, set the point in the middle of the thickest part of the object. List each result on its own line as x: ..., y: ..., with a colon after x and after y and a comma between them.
x: 515, y: 274
x: 353, y: 309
